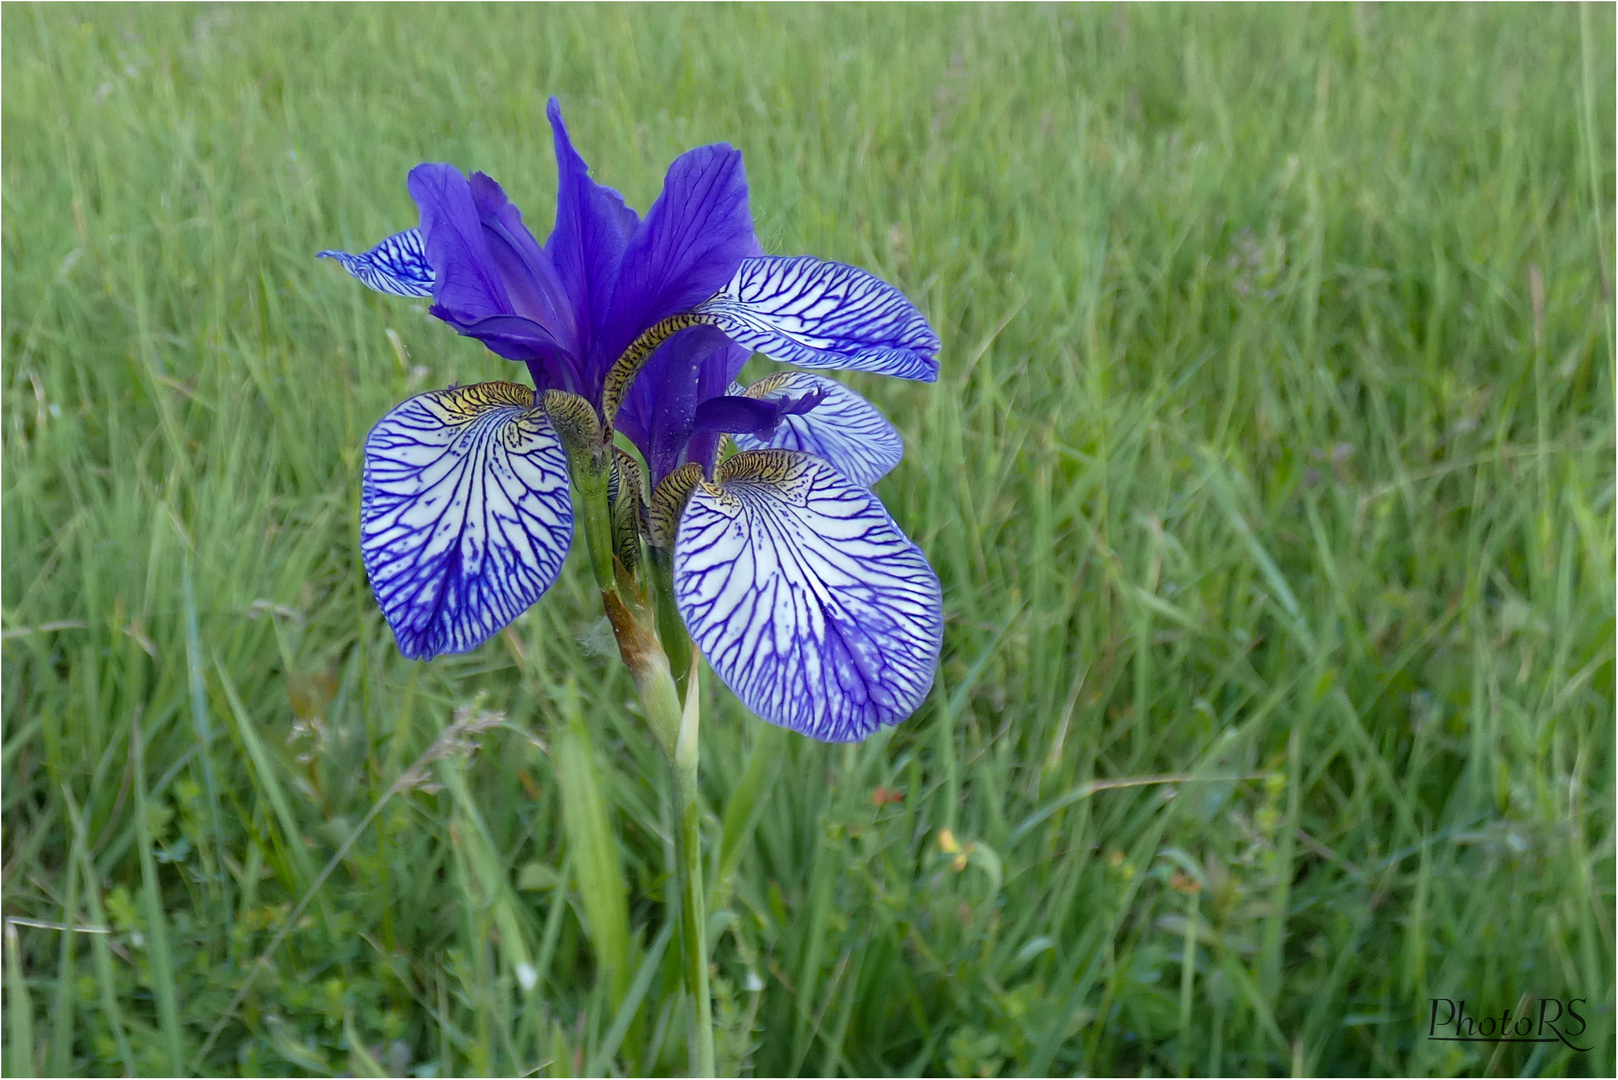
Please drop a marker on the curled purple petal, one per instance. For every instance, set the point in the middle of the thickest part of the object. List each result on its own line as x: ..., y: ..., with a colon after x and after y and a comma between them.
x: 754, y: 416
x: 532, y: 286
x: 468, y: 286
x: 492, y: 281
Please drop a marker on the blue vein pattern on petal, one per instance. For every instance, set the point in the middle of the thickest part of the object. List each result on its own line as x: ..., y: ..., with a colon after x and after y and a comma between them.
x: 465, y: 515
x: 819, y: 314
x: 398, y: 265
x: 805, y: 597
x: 844, y: 428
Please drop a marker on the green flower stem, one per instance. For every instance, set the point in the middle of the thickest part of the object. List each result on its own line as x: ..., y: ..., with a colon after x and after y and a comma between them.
x: 687, y: 827
x: 670, y: 627
x: 676, y: 728
x: 590, y: 477
x: 673, y: 724
x: 589, y: 463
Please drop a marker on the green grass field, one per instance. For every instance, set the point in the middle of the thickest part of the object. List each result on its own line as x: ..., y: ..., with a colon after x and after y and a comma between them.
x: 1270, y: 479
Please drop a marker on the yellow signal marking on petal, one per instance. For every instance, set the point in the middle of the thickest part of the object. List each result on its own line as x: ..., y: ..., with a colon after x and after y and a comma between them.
x: 770, y: 468
x: 668, y: 503
x: 459, y: 404
x: 761, y: 466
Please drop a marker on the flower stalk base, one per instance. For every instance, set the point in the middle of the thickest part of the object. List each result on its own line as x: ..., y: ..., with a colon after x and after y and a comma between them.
x: 693, y: 917
x: 671, y: 699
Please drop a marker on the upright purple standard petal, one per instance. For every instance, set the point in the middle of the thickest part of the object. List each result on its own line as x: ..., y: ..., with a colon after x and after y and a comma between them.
x: 694, y: 237
x: 805, y: 597
x: 593, y: 227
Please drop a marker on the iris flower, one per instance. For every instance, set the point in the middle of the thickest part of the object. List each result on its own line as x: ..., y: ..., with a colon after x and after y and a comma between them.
x: 790, y: 576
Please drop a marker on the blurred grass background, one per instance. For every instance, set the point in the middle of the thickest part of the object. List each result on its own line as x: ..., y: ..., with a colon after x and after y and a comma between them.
x: 1270, y: 479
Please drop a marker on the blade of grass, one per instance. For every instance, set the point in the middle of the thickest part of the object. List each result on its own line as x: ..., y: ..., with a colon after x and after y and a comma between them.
x: 489, y: 868
x: 64, y: 1012
x: 19, y: 1009
x: 625, y: 1015
x: 157, y: 927
x: 953, y: 703
x: 268, y: 781
x: 746, y: 805
x: 202, y: 730
x: 592, y: 844
x: 100, y: 951
x: 359, y: 1056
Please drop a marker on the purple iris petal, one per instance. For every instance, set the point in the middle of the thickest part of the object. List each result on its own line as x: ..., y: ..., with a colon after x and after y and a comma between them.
x: 751, y: 416
x: 493, y: 281
x: 464, y: 514
x: 593, y: 227
x: 526, y: 342
x: 734, y: 414
x: 691, y: 243
x: 467, y: 288
x: 805, y: 597
x: 692, y: 366
x: 817, y: 314
x: 532, y: 285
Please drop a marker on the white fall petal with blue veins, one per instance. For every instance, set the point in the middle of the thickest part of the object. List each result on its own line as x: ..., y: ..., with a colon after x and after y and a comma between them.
x: 465, y: 515
x: 844, y: 428
x: 805, y: 597
x: 817, y: 314
x: 398, y: 265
